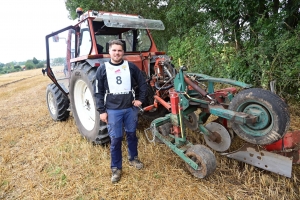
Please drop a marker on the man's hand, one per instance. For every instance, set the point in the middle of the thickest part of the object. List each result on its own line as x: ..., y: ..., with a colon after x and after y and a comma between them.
x: 137, y: 103
x: 103, y: 117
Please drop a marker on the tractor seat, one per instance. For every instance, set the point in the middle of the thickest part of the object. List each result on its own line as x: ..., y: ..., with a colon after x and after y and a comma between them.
x: 99, y: 48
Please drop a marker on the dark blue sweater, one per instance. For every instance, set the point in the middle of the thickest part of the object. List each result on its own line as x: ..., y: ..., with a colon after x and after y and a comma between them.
x: 119, y: 101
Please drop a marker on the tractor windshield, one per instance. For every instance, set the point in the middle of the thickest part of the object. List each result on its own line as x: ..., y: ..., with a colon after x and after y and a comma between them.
x: 135, y: 40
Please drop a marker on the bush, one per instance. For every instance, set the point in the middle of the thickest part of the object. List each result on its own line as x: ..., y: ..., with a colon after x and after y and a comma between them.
x: 29, y: 66
x: 17, y: 67
x: 196, y: 52
x: 274, y: 58
x: 40, y: 65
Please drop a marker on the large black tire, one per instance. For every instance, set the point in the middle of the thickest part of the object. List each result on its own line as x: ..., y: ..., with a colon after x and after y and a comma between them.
x: 274, y: 119
x: 152, y: 115
x: 205, y: 159
x: 57, y: 103
x: 83, y: 104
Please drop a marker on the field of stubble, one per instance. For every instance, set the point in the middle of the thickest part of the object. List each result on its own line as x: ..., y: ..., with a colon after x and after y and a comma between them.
x: 43, y: 159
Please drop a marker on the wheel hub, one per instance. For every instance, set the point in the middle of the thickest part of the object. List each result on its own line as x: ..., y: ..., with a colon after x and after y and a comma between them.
x: 87, y: 104
x: 84, y: 103
x: 263, y: 117
x: 222, y: 140
x: 51, y: 103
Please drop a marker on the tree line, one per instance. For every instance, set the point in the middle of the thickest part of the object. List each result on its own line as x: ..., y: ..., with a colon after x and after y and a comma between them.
x: 29, y: 64
x: 23, y: 65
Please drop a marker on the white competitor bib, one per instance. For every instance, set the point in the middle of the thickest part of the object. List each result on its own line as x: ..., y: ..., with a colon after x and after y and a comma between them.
x: 118, y: 78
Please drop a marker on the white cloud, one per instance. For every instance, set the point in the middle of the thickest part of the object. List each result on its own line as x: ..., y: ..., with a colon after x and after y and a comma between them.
x: 24, y: 25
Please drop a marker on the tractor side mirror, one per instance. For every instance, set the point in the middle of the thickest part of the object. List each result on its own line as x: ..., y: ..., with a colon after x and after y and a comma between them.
x: 55, y: 38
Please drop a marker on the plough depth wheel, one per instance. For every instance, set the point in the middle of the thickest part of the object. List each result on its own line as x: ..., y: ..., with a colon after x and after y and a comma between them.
x: 223, y: 140
x: 165, y: 130
x: 205, y: 159
x: 271, y: 110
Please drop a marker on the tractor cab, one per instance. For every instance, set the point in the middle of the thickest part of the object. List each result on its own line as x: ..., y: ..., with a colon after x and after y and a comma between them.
x: 87, y: 41
x: 74, y: 53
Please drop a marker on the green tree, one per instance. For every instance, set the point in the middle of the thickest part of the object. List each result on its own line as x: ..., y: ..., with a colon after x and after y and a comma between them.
x: 249, y: 41
x: 35, y: 61
x: 29, y: 64
x: 10, y: 65
x: 58, y: 61
x: 40, y: 65
x: 17, y: 67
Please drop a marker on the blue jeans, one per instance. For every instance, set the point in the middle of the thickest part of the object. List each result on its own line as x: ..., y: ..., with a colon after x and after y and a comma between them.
x: 116, y: 119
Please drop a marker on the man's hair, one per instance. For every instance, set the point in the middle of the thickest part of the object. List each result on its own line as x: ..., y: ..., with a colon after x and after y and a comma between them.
x: 117, y: 42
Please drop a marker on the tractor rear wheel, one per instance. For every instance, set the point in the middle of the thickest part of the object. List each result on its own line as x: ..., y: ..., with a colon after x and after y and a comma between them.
x: 272, y: 111
x: 152, y: 115
x: 57, y: 102
x: 83, y: 104
x: 205, y: 159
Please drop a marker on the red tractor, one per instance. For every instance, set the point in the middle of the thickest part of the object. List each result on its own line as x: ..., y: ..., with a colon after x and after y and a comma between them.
x: 257, y: 116
x: 75, y: 52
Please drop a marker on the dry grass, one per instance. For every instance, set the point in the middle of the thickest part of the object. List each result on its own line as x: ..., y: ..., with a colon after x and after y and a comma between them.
x: 43, y: 159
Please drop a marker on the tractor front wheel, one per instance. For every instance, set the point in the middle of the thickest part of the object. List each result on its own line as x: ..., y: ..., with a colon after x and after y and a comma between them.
x: 205, y: 159
x: 57, y: 102
x: 271, y: 111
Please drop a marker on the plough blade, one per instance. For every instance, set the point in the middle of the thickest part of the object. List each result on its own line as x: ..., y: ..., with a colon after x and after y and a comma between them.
x: 256, y: 156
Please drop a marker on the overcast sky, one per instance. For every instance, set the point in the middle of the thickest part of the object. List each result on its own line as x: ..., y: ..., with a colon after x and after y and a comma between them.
x: 24, y: 25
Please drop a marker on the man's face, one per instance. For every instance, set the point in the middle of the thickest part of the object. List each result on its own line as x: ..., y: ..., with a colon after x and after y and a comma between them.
x: 116, y: 53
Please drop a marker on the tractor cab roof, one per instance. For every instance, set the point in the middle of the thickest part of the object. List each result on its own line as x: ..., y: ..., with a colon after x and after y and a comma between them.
x: 119, y: 20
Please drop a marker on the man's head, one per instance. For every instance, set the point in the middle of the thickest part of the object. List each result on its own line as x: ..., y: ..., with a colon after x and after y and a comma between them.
x: 116, y: 51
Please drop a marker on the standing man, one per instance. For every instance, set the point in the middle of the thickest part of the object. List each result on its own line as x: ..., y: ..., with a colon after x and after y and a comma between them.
x: 118, y: 105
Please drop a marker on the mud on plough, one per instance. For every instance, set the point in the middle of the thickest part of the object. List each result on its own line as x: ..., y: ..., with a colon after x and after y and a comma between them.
x: 257, y: 116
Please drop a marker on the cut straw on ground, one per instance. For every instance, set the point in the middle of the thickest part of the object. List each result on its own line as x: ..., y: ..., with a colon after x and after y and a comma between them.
x: 43, y: 159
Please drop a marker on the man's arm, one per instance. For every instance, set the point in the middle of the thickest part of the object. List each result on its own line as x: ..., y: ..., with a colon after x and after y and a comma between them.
x: 142, y: 85
x: 100, y: 92
x: 100, y: 89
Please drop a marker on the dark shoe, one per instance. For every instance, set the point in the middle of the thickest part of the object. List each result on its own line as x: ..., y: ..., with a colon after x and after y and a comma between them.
x: 116, y: 175
x: 136, y: 163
